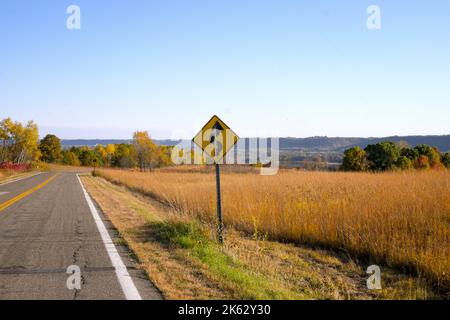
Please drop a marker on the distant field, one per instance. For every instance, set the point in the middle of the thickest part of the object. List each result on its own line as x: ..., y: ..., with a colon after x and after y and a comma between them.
x: 400, y: 219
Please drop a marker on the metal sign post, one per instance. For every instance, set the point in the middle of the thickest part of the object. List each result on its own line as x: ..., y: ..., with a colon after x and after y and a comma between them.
x: 216, y: 139
x: 95, y: 162
x: 219, y: 206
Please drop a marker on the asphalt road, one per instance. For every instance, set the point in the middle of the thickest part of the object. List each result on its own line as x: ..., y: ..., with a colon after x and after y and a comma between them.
x: 46, y: 225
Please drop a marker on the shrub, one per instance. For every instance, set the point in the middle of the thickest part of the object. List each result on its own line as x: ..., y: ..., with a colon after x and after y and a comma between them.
x: 446, y: 160
x: 411, y: 153
x: 354, y: 160
x: 15, y: 167
x: 404, y: 163
x: 423, y: 162
x: 433, y: 155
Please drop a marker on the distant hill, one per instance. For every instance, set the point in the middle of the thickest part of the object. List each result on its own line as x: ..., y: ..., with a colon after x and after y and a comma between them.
x: 340, y: 144
x: 68, y: 143
x: 323, y: 144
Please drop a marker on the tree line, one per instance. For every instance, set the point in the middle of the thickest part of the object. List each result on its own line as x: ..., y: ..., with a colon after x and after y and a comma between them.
x: 142, y: 153
x: 387, y: 155
x: 21, y: 145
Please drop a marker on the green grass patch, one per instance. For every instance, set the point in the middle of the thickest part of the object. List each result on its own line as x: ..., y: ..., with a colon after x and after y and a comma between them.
x: 192, y: 237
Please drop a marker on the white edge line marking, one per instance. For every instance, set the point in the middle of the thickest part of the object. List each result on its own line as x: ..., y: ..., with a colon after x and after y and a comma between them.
x: 128, y: 287
x: 20, y: 179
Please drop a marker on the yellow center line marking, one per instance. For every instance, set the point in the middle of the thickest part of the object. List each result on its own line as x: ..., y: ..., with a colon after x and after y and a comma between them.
x: 19, y: 197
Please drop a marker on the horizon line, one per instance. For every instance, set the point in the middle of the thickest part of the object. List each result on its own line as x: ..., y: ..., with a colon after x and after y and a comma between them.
x: 284, y: 137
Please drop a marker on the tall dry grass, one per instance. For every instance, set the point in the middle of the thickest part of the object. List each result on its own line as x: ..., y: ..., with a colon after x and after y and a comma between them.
x: 401, y: 219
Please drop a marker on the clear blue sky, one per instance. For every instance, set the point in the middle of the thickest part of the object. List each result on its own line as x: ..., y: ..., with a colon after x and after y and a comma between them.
x: 293, y: 68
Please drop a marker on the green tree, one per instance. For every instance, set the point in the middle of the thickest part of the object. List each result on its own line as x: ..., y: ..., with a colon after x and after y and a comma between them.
x: 446, y: 159
x: 124, y: 156
x: 423, y: 149
x: 50, y: 148
x: 382, y: 156
x: 69, y: 158
x: 404, y: 163
x: 411, y: 153
x: 78, y: 150
x: 355, y: 160
x: 89, y: 158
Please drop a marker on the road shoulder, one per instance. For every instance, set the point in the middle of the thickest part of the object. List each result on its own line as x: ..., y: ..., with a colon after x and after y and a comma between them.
x: 145, y: 289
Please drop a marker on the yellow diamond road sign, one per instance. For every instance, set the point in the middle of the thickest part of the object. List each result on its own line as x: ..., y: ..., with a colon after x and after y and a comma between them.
x: 215, y: 139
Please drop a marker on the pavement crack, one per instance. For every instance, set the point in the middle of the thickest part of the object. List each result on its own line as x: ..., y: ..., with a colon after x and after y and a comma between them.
x: 76, y: 256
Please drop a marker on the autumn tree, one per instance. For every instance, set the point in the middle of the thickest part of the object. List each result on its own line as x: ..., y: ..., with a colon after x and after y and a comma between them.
x: 164, y: 156
x: 423, y: 162
x: 19, y: 143
x: 110, y: 150
x: 102, y: 153
x: 50, y: 147
x: 4, y: 137
x: 433, y: 155
x: 435, y: 158
x: 355, y: 160
x: 146, y: 150
x: 31, y: 143
x: 69, y: 158
x: 6, y: 132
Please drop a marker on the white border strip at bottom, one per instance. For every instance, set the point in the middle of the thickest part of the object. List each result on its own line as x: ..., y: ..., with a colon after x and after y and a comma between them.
x: 129, y: 289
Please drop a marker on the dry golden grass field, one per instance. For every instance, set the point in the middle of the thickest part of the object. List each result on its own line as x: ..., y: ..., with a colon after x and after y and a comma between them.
x: 397, y: 219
